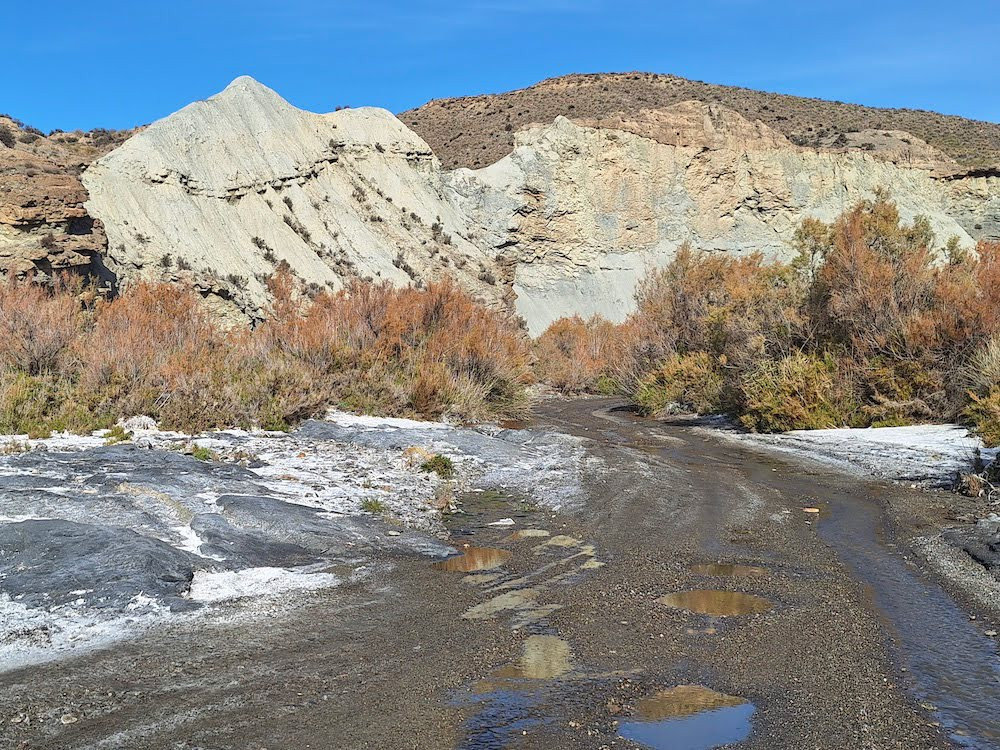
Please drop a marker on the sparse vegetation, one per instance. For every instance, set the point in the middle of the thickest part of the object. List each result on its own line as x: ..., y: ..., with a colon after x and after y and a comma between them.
x: 117, y: 434
x: 373, y: 505
x: 477, y: 131
x: 201, y: 453
x: 297, y: 227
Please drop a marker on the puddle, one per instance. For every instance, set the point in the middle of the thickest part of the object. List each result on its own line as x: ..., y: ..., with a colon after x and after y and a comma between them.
x: 544, y: 657
x: 526, y: 534
x: 501, y: 719
x: 689, y: 717
x: 473, y: 559
x: 728, y: 570
x: 521, y: 604
x: 559, y: 540
x: 512, y: 600
x: 950, y: 664
x: 714, y: 602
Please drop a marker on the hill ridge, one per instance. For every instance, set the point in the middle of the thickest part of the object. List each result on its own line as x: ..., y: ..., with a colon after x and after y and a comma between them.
x: 474, y: 131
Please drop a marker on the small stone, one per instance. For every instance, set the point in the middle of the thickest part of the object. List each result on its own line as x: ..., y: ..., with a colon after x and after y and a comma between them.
x: 393, y: 533
x: 69, y: 719
x: 810, y: 510
x: 991, y: 633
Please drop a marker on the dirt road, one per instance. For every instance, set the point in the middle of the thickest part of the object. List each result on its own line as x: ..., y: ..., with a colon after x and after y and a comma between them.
x: 578, y: 632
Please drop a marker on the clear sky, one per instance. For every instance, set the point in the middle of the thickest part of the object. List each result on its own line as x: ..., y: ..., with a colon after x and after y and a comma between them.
x: 118, y: 63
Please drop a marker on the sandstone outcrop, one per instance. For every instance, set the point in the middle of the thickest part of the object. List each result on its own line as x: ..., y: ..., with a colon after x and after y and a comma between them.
x: 579, y: 213
x: 44, y: 227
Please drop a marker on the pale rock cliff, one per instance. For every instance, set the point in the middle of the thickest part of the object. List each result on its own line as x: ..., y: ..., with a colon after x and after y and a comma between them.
x: 223, y: 191
x: 579, y: 213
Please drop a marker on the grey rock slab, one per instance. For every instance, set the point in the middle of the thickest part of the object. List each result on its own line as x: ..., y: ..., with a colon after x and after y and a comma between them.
x: 50, y: 562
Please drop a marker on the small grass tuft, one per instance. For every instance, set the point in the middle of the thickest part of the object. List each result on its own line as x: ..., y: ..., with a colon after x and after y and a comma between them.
x: 440, y: 465
x: 117, y: 434
x: 202, y: 453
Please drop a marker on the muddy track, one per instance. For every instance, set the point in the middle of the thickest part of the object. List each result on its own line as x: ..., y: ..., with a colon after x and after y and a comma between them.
x: 839, y: 643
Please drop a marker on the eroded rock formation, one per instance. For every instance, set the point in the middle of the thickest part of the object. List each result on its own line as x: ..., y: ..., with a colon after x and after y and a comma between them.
x: 223, y: 191
x: 226, y: 190
x: 581, y: 212
x: 44, y: 227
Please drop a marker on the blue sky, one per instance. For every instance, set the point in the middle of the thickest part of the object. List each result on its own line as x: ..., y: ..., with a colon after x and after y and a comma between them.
x: 115, y: 64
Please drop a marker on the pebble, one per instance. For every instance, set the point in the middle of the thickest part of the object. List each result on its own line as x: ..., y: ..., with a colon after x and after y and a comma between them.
x: 393, y: 533
x: 69, y: 719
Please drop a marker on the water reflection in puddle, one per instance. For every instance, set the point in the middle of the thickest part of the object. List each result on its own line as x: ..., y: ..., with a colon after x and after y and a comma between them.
x: 728, y: 570
x: 689, y: 717
x: 501, y: 719
x: 543, y: 658
x: 526, y: 534
x: 718, y: 603
x: 473, y: 559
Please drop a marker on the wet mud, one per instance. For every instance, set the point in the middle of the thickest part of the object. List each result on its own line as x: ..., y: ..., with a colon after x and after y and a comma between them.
x: 683, y: 601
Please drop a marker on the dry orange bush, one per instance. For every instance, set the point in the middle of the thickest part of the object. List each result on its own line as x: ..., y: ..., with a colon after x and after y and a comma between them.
x: 576, y: 355
x: 433, y: 351
x: 868, y: 325
x: 155, y: 350
x: 36, y: 327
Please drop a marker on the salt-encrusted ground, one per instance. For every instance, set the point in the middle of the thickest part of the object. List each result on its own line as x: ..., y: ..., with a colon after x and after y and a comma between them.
x: 100, y: 541
x: 926, y: 455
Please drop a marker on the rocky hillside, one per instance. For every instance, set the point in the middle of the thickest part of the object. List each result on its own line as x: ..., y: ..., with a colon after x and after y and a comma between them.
x: 477, y: 131
x: 223, y: 191
x: 564, y: 216
x: 581, y: 212
x: 43, y: 224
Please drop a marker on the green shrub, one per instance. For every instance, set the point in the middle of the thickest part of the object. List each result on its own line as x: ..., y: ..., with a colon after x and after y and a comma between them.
x: 117, y: 434
x: 440, y: 465
x: 683, y: 383
x: 799, y: 392
x: 372, y: 505
x: 38, y: 405
x: 202, y: 453
x: 983, y: 415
